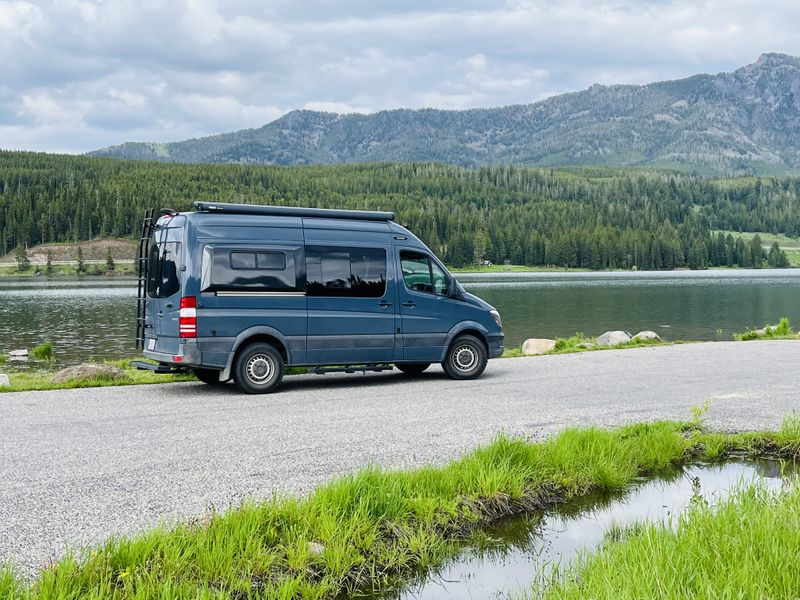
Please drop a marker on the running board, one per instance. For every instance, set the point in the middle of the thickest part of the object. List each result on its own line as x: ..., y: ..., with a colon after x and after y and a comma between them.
x: 159, y: 368
x: 352, y: 369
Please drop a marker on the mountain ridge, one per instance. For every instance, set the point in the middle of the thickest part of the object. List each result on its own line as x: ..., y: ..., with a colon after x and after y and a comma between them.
x: 742, y: 122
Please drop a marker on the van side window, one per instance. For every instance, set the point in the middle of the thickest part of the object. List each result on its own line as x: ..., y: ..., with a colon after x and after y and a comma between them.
x: 421, y: 274
x: 263, y: 261
x: 353, y: 272
x: 246, y: 270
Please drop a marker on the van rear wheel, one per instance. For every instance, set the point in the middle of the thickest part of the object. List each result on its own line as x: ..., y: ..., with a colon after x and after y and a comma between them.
x: 412, y: 368
x: 258, y: 369
x: 466, y: 358
x: 209, y: 376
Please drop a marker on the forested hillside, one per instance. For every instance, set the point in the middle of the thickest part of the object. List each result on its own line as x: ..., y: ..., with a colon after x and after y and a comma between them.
x: 744, y: 122
x: 595, y: 218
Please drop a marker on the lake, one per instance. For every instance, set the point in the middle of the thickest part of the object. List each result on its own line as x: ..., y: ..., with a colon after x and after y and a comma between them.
x: 94, y: 317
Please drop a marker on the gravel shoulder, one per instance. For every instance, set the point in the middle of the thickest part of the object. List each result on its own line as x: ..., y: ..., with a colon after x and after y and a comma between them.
x: 81, y: 465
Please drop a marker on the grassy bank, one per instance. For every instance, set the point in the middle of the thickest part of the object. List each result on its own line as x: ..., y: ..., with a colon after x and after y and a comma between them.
x: 376, y: 527
x: 735, y: 549
x: 582, y: 343
x: 782, y: 331
x: 40, y: 379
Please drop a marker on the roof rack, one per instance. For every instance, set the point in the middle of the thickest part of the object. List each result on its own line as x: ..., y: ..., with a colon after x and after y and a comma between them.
x: 290, y: 211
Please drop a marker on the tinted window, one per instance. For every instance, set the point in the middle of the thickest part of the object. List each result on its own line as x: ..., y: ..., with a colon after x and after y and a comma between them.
x: 354, y: 272
x: 163, y: 270
x: 227, y: 269
x: 271, y: 260
x: 258, y: 260
x: 243, y: 260
x: 421, y: 274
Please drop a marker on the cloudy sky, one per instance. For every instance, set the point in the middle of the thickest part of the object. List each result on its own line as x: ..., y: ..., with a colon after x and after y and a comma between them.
x: 78, y: 75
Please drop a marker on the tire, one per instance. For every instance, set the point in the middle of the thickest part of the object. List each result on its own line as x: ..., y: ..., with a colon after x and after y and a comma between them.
x: 209, y: 376
x: 258, y: 369
x: 412, y: 368
x: 466, y: 358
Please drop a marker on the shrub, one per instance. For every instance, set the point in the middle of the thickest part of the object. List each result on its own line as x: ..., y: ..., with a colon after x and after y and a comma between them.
x: 43, y: 351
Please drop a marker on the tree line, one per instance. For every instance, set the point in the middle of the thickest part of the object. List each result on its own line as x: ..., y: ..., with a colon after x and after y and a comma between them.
x: 597, y: 218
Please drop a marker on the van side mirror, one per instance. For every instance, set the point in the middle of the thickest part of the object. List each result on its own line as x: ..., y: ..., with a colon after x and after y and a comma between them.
x: 452, y: 288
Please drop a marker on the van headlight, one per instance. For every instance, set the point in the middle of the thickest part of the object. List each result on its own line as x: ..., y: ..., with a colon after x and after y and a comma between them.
x: 496, y: 317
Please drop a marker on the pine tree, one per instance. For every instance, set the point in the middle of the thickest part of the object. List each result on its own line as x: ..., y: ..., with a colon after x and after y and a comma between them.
x: 109, y: 260
x: 21, y: 256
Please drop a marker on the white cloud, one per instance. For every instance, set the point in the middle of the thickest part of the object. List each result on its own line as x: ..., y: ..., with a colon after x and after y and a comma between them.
x: 79, y: 74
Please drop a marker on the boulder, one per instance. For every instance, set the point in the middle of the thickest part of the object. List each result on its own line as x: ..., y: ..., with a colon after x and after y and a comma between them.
x: 89, y: 371
x: 646, y: 336
x: 585, y: 345
x: 534, y: 346
x: 18, y: 353
x: 613, y: 338
x: 4, y: 381
x: 315, y: 548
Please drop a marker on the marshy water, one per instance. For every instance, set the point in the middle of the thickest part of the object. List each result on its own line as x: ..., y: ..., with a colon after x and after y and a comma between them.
x: 509, y: 558
x: 94, y: 316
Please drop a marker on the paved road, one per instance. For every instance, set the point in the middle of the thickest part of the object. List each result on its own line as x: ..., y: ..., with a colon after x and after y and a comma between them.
x: 77, y: 466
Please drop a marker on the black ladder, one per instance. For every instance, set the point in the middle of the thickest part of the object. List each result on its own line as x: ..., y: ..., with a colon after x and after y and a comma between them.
x: 148, y: 224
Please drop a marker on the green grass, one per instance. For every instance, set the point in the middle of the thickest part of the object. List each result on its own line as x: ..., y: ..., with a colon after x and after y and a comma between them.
x: 375, y: 527
x: 37, y: 380
x: 43, y: 351
x: 745, y: 546
x: 767, y: 239
x: 782, y: 331
x: 574, y: 344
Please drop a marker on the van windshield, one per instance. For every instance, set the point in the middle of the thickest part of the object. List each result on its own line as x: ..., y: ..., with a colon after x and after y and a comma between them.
x: 162, y: 269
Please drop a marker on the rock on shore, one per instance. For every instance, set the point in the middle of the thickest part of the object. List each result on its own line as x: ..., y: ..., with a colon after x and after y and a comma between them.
x: 536, y: 346
x: 613, y: 338
x: 88, y: 371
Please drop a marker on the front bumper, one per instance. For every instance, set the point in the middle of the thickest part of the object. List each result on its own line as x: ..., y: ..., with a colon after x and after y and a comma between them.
x: 495, y: 343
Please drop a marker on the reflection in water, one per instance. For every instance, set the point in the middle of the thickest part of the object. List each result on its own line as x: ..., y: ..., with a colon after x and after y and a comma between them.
x: 509, y: 558
x: 678, y: 305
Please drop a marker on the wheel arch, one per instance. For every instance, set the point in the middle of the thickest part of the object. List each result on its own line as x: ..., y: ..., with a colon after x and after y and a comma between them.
x: 466, y: 328
x: 264, y: 334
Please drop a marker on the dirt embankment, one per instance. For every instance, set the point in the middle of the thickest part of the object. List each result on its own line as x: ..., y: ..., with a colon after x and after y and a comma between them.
x: 121, y: 250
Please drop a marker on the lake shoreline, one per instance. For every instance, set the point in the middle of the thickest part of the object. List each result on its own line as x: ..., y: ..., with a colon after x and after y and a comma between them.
x: 123, y: 270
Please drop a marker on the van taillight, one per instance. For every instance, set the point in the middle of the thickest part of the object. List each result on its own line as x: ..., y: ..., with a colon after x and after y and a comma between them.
x: 187, y: 318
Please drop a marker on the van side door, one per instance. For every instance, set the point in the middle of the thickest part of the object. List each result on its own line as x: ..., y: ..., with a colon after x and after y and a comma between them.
x: 351, y: 305
x: 426, y: 312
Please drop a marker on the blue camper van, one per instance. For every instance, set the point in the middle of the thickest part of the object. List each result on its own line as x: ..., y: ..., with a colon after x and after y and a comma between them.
x: 240, y: 292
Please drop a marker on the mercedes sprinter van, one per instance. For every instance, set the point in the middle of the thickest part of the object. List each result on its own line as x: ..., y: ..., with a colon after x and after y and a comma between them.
x: 240, y: 292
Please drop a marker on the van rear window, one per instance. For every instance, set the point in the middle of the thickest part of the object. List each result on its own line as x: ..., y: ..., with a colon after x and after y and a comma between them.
x: 163, y: 275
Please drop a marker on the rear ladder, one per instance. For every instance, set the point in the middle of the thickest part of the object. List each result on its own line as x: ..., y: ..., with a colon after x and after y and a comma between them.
x: 148, y: 224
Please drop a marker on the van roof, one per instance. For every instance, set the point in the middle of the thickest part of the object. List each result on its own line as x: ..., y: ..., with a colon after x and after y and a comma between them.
x: 290, y: 211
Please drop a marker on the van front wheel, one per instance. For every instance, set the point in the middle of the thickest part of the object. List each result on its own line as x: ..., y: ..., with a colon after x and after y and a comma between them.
x: 258, y: 369
x: 466, y: 358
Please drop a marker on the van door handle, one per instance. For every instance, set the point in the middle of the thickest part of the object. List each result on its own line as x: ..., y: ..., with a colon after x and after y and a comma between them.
x: 409, y: 303
x: 160, y: 313
x: 384, y: 304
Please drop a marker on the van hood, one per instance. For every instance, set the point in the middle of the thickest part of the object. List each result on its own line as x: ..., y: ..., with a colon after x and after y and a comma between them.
x: 475, y: 301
